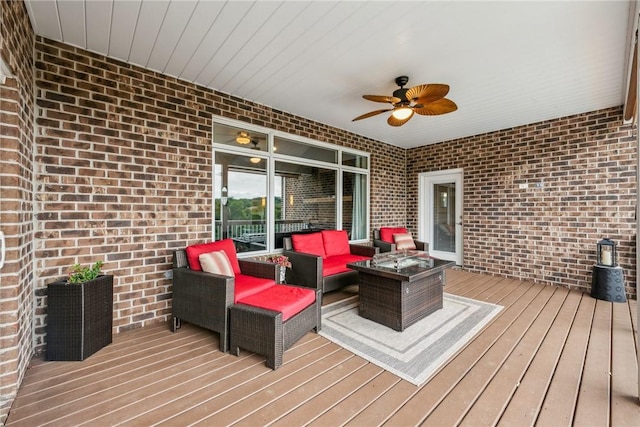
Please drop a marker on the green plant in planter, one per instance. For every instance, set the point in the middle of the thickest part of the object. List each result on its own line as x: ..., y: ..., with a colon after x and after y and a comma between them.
x: 81, y: 274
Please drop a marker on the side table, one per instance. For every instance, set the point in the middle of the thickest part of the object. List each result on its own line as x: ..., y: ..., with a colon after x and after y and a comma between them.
x: 608, y: 283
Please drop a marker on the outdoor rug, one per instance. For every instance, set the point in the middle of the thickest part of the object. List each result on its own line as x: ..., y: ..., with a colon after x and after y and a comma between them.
x: 416, y: 353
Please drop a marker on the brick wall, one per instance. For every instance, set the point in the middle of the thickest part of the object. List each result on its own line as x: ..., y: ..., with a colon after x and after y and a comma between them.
x: 16, y: 166
x: 587, y: 166
x: 124, y: 174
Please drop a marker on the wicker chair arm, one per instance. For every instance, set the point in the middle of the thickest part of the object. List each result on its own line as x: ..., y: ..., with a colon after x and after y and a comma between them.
x: 203, y: 299
x: 188, y: 277
x: 421, y: 246
x: 363, y: 250
x: 384, y: 246
x: 180, y: 258
x: 264, y: 269
x: 306, y: 269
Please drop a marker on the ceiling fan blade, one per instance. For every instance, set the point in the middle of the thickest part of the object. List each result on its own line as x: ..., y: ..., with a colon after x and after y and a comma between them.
x: 441, y: 106
x: 382, y: 98
x: 424, y: 94
x: 392, y: 121
x: 371, y: 114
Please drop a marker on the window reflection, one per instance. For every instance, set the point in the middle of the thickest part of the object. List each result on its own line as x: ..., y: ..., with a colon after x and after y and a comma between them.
x: 354, y: 205
x: 267, y: 187
x: 308, y: 200
x: 444, y: 229
x: 241, y: 202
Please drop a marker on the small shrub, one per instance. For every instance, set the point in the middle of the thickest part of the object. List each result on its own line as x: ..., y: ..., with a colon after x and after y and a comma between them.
x: 81, y: 274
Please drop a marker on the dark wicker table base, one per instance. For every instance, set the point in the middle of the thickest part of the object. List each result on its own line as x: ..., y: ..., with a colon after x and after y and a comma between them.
x: 399, y: 304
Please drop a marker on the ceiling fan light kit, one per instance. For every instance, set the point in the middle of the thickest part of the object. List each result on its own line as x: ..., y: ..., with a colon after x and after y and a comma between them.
x: 425, y: 99
x: 243, y: 138
x: 402, y: 113
x: 255, y: 160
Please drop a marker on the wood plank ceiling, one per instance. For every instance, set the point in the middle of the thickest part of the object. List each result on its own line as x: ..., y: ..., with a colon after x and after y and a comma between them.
x: 508, y: 63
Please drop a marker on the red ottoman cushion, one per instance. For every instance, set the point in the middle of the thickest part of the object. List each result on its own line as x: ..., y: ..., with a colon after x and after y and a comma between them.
x: 288, y: 300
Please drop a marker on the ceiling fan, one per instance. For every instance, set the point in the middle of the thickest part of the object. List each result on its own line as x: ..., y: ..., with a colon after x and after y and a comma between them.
x: 426, y: 100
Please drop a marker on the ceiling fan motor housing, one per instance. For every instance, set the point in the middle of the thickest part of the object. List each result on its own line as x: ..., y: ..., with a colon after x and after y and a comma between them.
x: 402, y: 81
x: 402, y: 92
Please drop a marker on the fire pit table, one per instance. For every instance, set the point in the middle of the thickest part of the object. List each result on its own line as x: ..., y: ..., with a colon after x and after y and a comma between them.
x: 399, y: 288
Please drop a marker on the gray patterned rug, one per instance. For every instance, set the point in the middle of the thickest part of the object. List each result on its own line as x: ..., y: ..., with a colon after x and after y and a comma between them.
x: 416, y: 353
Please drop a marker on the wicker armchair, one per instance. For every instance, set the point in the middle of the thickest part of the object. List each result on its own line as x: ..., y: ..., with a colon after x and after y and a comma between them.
x: 389, y: 246
x: 204, y: 299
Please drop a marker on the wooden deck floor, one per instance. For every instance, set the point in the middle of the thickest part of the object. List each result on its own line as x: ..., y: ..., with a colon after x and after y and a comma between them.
x: 552, y: 357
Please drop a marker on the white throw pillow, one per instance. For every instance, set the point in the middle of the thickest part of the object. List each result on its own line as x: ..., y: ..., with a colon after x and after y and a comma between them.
x: 404, y: 241
x: 216, y: 262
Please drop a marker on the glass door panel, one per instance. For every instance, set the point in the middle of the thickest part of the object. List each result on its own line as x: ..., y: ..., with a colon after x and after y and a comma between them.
x: 444, y: 221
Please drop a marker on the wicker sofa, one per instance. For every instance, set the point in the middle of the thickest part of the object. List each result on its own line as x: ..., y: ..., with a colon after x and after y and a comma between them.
x: 204, y: 299
x: 318, y: 260
x: 383, y: 239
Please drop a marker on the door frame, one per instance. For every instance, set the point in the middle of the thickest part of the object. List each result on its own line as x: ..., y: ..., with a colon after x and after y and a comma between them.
x: 425, y: 210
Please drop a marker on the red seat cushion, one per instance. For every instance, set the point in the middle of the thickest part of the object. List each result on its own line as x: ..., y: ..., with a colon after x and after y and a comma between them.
x: 226, y: 245
x: 386, y: 233
x: 338, y: 264
x: 249, y: 285
x: 336, y: 242
x: 288, y: 300
x: 308, y: 243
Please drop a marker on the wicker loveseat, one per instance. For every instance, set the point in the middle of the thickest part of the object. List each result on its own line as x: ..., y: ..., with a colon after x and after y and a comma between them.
x: 383, y: 238
x: 204, y: 299
x: 318, y: 260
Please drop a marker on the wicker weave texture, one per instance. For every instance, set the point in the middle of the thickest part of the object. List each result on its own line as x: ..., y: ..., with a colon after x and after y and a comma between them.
x: 306, y: 269
x: 79, y: 318
x: 263, y: 331
x: 396, y: 303
x: 204, y: 299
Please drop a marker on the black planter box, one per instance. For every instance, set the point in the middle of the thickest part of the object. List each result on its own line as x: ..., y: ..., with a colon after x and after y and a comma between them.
x: 79, y: 318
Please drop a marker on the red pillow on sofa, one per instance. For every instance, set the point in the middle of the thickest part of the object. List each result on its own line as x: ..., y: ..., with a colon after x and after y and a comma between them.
x: 336, y: 242
x: 226, y: 245
x: 386, y: 233
x: 309, y: 243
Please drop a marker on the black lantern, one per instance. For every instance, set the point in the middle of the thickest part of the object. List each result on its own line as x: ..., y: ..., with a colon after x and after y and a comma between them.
x: 606, y: 253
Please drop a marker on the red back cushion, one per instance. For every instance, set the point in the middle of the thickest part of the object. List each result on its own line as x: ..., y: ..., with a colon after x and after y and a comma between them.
x: 309, y: 243
x: 386, y: 233
x: 336, y: 242
x: 226, y: 245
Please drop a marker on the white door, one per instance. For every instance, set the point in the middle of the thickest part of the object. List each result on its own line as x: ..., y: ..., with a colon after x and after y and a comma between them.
x: 440, y: 213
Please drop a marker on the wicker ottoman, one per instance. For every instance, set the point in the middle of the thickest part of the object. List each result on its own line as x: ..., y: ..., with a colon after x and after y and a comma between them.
x: 271, y: 321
